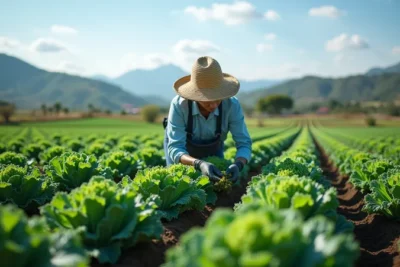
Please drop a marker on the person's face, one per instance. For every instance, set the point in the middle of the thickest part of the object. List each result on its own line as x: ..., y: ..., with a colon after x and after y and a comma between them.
x: 209, y: 106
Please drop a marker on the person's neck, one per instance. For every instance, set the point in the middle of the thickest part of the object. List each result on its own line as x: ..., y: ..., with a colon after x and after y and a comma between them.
x: 203, y: 112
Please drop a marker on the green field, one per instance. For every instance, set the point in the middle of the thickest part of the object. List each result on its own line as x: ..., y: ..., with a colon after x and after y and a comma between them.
x: 96, y: 192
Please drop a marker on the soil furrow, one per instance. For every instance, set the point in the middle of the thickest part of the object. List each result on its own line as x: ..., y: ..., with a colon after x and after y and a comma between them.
x: 377, y: 235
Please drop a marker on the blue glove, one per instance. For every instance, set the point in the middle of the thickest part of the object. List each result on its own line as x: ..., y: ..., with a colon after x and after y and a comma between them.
x: 234, y: 170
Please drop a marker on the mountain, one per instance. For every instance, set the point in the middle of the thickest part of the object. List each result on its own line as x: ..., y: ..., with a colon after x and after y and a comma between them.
x: 157, y: 81
x: 102, y: 78
x: 247, y: 86
x: 309, y: 89
x: 156, y: 85
x: 391, y: 69
x: 29, y: 87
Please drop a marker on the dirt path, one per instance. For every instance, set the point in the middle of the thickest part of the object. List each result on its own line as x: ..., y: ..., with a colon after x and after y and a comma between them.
x: 377, y: 235
x: 151, y: 254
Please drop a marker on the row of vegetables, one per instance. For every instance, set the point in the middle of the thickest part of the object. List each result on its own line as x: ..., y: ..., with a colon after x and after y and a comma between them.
x: 286, y: 218
x: 387, y: 146
x: 97, y: 206
x: 375, y: 174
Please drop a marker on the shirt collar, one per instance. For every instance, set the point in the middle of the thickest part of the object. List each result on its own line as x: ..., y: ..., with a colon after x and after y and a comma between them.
x: 196, y: 111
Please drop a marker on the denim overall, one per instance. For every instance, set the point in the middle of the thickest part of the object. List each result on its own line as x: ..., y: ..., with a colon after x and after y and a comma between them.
x: 200, y: 148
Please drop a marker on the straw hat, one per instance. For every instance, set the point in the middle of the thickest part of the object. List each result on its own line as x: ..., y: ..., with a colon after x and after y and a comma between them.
x: 207, y: 82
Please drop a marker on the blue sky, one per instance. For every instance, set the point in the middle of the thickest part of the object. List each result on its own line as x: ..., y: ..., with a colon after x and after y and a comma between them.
x: 266, y: 39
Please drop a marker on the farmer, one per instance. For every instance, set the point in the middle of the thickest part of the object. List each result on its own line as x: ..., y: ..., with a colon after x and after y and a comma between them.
x: 200, y: 117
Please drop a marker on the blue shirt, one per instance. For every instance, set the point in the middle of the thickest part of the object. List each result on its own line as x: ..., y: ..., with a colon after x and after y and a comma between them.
x: 204, y: 129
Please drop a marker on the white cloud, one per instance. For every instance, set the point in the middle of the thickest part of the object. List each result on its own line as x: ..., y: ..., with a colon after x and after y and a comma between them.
x: 396, y: 50
x: 185, y: 52
x: 272, y: 15
x: 231, y: 14
x: 325, y: 11
x: 270, y: 37
x: 45, y: 45
x: 199, y: 47
x: 69, y: 67
x: 8, y: 43
x: 62, y: 29
x: 264, y: 47
x: 344, y: 42
x: 132, y: 61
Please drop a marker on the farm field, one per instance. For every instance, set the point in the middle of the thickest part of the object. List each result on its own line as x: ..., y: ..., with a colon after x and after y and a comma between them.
x: 96, y: 192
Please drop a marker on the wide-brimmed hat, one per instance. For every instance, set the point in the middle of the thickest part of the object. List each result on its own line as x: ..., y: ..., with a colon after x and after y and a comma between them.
x: 207, y: 82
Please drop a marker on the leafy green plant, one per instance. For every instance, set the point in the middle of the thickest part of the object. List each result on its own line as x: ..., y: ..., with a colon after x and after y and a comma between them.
x: 71, y: 169
x: 27, y: 189
x: 26, y: 242
x: 300, y: 193
x: 121, y: 163
x: 149, y: 157
x: 223, y: 185
x: 202, y: 181
x: 98, y: 149
x: 364, y: 173
x: 290, y: 167
x: 32, y: 151
x: 385, y: 195
x: 75, y: 145
x: 15, y: 145
x: 127, y: 146
x: 177, y: 193
x: 113, y: 217
x: 13, y: 158
x: 51, y: 153
x: 260, y: 236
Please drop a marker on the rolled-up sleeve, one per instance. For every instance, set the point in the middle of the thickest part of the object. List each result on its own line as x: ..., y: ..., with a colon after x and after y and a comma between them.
x: 176, y: 132
x: 239, y: 131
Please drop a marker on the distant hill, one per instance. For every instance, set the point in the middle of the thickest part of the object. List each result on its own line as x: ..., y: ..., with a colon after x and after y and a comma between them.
x: 156, y: 85
x: 29, y: 87
x: 157, y: 81
x: 385, y: 87
x: 378, y: 71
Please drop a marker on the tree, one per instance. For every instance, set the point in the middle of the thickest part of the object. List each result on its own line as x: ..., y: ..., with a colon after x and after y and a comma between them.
x: 57, y: 107
x: 43, y: 107
x: 90, y: 107
x: 274, y: 104
x: 6, y: 110
x: 66, y: 110
x: 150, y: 113
x: 108, y: 112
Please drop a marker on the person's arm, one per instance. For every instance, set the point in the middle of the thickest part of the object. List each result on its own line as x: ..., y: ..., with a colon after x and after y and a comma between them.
x: 242, y: 139
x: 240, y: 134
x: 176, y: 132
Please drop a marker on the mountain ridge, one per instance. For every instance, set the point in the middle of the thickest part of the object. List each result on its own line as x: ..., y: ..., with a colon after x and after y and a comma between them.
x: 29, y: 87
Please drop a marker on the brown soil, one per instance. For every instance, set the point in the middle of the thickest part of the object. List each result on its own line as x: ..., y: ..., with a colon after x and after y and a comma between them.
x: 151, y: 254
x: 376, y: 234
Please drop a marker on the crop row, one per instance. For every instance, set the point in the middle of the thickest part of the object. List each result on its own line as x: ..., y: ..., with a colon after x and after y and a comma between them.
x: 375, y: 175
x: 287, y: 218
x: 78, y: 195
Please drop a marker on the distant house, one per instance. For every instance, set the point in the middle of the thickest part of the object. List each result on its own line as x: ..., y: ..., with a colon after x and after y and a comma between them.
x: 323, y: 110
x: 130, y: 109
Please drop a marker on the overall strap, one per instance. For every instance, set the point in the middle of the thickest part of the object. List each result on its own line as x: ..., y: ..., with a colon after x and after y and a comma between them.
x: 219, y: 121
x: 189, y: 126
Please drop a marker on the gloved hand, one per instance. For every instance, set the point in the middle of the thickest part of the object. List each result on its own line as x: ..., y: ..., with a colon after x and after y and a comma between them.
x: 208, y: 169
x: 233, y: 171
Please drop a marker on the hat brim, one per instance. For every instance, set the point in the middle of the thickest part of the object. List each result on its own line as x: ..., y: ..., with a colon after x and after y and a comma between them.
x: 188, y: 90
